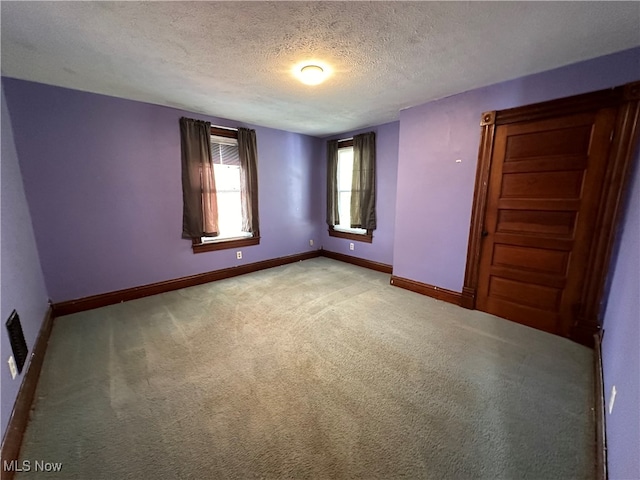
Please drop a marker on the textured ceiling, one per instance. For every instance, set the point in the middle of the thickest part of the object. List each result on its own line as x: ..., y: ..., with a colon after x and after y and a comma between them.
x: 234, y: 59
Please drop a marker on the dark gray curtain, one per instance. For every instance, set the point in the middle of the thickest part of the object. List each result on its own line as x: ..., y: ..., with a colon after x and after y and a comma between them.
x: 363, y: 184
x: 333, y: 216
x: 200, y: 208
x: 248, y: 152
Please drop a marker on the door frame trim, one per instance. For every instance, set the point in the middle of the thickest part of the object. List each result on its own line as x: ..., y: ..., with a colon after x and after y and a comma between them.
x: 626, y: 99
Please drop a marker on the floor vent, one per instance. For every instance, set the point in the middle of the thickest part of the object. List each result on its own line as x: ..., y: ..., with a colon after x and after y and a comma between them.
x: 16, y: 337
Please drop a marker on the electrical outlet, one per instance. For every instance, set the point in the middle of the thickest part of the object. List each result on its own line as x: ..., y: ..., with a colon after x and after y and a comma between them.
x: 612, y: 399
x: 12, y: 367
x: 311, y: 243
x: 351, y: 247
x: 239, y: 255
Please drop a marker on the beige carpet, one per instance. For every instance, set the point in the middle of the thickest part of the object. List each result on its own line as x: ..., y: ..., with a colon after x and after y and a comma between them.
x: 319, y: 370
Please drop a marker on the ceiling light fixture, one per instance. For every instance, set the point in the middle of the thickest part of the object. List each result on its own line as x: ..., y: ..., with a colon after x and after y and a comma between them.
x: 312, y: 74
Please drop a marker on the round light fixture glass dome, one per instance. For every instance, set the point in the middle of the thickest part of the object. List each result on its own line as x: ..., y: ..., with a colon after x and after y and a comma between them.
x: 312, y: 74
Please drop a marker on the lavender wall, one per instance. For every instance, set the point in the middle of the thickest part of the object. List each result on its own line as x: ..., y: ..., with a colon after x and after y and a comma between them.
x: 381, y: 249
x: 23, y: 287
x: 621, y: 345
x: 102, y: 178
x: 433, y: 205
x: 433, y: 211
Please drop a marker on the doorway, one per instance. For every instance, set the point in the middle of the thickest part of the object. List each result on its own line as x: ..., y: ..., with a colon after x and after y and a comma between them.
x: 548, y: 186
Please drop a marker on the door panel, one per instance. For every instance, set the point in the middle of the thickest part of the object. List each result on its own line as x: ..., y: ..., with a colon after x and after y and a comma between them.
x: 534, y: 259
x: 557, y: 141
x: 546, y: 164
x: 536, y: 222
x: 540, y: 184
x: 525, y: 293
x: 544, y: 186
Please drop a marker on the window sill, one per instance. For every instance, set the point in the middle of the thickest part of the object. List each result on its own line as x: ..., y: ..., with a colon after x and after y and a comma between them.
x: 199, y: 247
x: 358, y: 237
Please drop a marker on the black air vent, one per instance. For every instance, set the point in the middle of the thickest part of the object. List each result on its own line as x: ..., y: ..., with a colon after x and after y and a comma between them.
x: 16, y: 337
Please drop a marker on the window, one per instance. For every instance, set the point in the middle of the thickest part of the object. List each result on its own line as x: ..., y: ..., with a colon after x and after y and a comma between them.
x: 351, y: 188
x: 225, y: 159
x: 226, y: 171
x: 220, y: 186
x: 345, y: 177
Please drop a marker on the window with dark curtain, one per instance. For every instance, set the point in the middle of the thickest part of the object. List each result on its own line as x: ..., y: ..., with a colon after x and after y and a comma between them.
x: 248, y: 152
x: 220, y: 186
x: 333, y: 214
x: 200, y: 210
x: 363, y: 186
x: 351, y: 187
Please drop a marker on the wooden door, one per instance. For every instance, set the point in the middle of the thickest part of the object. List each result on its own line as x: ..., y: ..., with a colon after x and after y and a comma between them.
x: 547, y: 197
x: 543, y: 195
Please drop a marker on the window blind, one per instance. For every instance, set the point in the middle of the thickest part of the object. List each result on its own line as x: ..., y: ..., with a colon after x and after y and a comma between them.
x: 224, y: 151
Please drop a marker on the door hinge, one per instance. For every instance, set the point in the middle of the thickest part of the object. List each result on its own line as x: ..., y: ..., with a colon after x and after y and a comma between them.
x: 611, y: 136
